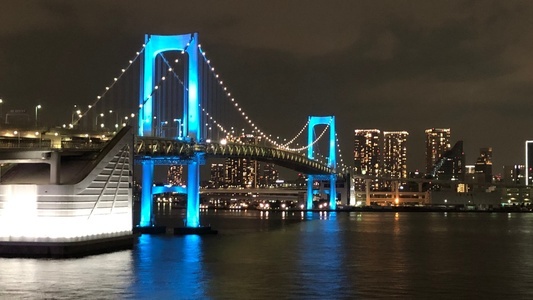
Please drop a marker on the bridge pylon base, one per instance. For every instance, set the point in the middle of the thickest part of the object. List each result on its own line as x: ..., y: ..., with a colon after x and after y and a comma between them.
x: 150, y: 229
x: 201, y: 230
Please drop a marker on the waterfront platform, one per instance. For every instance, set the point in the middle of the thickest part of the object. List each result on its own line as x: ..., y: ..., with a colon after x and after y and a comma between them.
x: 66, y: 249
x: 67, y: 202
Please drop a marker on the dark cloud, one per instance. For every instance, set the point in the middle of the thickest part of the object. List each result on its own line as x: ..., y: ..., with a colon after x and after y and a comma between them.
x: 391, y: 65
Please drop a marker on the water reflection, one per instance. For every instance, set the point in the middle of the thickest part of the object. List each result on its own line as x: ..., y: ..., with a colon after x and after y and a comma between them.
x: 80, y: 278
x: 321, y: 267
x: 169, y: 267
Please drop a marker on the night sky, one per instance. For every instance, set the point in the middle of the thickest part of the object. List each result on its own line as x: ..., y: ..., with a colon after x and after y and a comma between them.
x: 390, y: 65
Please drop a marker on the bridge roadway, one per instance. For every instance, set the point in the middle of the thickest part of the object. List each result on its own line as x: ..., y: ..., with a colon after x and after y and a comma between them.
x: 164, y: 151
x: 52, y: 147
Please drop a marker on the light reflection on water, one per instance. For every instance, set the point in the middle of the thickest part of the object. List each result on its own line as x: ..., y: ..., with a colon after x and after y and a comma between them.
x: 172, y: 265
x: 300, y: 255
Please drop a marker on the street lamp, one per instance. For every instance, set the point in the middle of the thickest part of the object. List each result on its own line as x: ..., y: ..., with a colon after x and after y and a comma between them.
x: 1, y: 115
x: 116, y: 117
x: 96, y: 120
x: 17, y: 133
x: 75, y: 112
x: 36, y: 116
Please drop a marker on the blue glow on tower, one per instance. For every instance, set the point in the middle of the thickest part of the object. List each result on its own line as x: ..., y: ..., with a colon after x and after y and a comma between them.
x: 146, y: 193
x: 155, y: 44
x: 332, y: 164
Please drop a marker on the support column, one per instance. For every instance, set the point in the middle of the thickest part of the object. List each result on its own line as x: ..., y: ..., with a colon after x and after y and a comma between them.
x: 309, y: 204
x: 193, y: 193
x: 147, y: 203
x: 55, y: 165
x: 396, y: 190
x: 333, y: 191
x: 367, y: 191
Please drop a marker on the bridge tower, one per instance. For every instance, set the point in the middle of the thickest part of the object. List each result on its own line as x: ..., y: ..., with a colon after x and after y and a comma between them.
x: 314, y: 121
x: 155, y: 44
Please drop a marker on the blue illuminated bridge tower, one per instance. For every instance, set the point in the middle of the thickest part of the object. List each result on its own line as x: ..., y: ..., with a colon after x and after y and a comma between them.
x: 154, y: 44
x: 332, y: 165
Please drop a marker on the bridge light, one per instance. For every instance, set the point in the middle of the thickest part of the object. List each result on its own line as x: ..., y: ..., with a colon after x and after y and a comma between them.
x: 223, y: 141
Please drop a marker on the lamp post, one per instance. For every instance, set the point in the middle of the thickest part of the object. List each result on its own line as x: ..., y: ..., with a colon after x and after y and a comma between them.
x: 36, y: 113
x: 116, y: 117
x: 17, y: 133
x: 96, y: 120
x: 1, y: 114
x: 75, y: 112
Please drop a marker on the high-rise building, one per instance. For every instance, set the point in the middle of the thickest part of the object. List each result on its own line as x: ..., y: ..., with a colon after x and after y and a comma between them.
x: 453, y: 167
x: 242, y: 171
x: 514, y: 174
x: 437, y: 143
x: 217, y: 178
x: 367, y: 155
x: 395, y: 154
x: 484, y: 164
x: 175, y: 175
x: 268, y: 175
x: 529, y: 163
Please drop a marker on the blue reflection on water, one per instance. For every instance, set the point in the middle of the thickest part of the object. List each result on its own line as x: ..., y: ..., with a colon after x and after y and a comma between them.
x: 321, y: 265
x: 169, y: 267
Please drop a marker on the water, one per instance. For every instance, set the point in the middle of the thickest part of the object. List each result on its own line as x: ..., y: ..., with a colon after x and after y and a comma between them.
x: 301, y: 256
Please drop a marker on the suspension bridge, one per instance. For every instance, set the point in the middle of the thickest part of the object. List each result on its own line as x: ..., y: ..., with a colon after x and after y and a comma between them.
x: 184, y: 113
x: 167, y: 106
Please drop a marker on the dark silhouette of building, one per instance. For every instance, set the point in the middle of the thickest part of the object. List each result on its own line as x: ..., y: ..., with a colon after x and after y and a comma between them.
x: 484, y: 164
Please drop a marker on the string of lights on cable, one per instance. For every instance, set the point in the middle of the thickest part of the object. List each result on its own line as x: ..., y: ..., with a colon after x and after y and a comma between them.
x: 109, y: 87
x: 244, y: 115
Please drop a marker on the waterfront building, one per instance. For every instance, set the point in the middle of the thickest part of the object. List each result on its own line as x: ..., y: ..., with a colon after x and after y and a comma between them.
x: 268, y: 175
x: 395, y: 154
x: 217, y: 178
x: 175, y: 175
x: 471, y: 177
x: 483, y: 165
x: 437, y: 143
x: 529, y: 163
x: 514, y: 174
x: 242, y: 172
x: 367, y: 157
x: 453, y: 167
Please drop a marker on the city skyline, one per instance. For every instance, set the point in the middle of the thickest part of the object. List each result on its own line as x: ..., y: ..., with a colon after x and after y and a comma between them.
x: 411, y: 66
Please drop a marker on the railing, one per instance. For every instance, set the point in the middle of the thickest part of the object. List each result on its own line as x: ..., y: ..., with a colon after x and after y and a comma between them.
x: 26, y: 144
